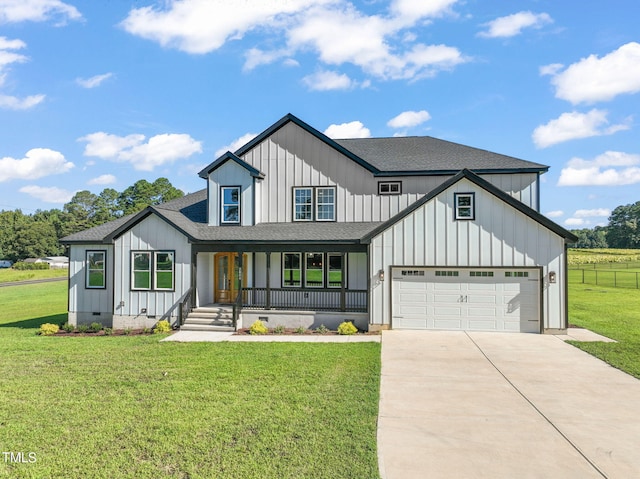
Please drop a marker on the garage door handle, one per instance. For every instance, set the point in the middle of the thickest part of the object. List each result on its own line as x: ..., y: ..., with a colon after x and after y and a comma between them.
x: 463, y: 299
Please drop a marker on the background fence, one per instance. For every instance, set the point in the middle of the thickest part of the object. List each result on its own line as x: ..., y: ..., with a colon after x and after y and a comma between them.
x: 606, y: 275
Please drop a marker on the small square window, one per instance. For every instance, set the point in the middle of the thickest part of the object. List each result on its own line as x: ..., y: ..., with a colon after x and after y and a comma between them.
x: 389, y: 187
x: 464, y: 206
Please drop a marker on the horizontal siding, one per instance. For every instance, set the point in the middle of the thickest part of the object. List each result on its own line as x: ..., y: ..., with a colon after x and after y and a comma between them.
x: 292, y: 157
x: 500, y: 236
x: 82, y: 299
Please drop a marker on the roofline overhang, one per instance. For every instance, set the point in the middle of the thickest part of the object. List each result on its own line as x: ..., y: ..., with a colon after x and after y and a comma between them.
x: 480, y: 171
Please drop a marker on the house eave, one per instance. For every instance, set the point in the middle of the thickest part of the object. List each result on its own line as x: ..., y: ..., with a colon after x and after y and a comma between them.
x: 479, y: 171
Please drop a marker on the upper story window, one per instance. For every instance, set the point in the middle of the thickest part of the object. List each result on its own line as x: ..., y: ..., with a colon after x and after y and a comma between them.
x: 96, y: 272
x: 389, y: 187
x: 464, y: 206
x: 314, y: 203
x: 230, y: 205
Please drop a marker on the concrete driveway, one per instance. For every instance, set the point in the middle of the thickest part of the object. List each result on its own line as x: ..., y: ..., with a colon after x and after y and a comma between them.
x: 499, y: 405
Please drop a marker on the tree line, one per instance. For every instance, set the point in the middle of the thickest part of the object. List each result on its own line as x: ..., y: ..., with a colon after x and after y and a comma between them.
x: 623, y: 230
x: 37, y: 235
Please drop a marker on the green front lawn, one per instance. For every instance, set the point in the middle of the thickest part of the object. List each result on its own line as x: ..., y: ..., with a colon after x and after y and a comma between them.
x: 130, y: 406
x: 612, y: 312
x: 9, y: 275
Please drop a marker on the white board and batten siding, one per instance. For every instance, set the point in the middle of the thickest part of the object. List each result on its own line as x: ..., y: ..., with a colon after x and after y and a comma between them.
x: 231, y: 174
x: 151, y: 234
x: 87, y: 305
x: 499, y: 237
x: 292, y: 157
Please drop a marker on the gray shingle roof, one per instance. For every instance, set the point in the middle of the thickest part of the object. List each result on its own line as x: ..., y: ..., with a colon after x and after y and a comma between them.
x: 424, y: 153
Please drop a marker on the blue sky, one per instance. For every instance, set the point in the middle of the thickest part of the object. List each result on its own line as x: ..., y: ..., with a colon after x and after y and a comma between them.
x: 99, y: 93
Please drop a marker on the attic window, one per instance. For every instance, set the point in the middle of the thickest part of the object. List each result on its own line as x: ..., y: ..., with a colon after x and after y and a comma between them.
x: 464, y: 206
x: 389, y: 187
x: 230, y: 205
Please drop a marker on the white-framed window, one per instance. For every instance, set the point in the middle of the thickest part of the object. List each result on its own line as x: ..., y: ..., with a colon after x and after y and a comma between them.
x: 152, y: 270
x: 464, y: 206
x: 389, y: 187
x: 230, y: 205
x: 291, y: 270
x: 303, y: 204
x: 326, y: 204
x: 96, y: 273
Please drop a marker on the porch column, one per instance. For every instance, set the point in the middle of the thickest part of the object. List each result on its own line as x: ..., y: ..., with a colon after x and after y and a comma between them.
x: 343, y: 293
x: 268, y: 280
x: 194, y: 279
x: 240, y: 273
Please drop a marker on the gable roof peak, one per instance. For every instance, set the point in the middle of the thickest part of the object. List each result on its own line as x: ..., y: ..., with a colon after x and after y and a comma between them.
x: 228, y: 156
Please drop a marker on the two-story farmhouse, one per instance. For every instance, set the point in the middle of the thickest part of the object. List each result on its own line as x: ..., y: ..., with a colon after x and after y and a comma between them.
x: 297, y: 229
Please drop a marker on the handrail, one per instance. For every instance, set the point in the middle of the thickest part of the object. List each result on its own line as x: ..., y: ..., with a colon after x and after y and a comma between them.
x: 237, y: 308
x: 185, y: 307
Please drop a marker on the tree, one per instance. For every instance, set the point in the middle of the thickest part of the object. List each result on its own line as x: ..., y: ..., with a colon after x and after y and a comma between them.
x: 624, y: 227
x: 591, y: 238
x: 143, y: 194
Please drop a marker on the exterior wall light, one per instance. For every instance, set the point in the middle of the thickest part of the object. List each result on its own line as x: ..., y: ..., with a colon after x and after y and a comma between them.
x: 381, y: 275
x: 552, y: 276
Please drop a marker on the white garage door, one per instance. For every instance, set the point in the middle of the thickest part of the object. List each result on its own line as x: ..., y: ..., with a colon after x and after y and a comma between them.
x: 466, y: 299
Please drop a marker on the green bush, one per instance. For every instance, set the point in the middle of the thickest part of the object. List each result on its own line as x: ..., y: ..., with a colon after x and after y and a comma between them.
x: 108, y: 331
x: 346, y: 328
x: 127, y: 331
x: 301, y: 330
x: 48, y: 329
x: 322, y: 329
x: 146, y: 330
x: 162, y: 327
x: 68, y: 328
x: 82, y: 328
x: 279, y: 329
x: 258, y: 327
x: 21, y: 265
x: 94, y: 327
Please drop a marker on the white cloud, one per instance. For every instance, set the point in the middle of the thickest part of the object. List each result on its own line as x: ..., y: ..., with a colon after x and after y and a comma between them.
x: 328, y: 80
x: 37, y: 163
x: 158, y: 150
x: 102, y: 180
x: 594, y: 79
x: 574, y: 125
x: 612, y: 168
x: 592, y: 213
x: 9, y: 102
x: 334, y: 29
x: 50, y: 194
x: 575, y: 222
x: 554, y: 214
x: 235, y: 144
x: 512, y: 25
x: 409, y: 119
x: 551, y: 69
x: 94, y: 81
x: 353, y: 129
x: 7, y: 55
x: 14, y: 11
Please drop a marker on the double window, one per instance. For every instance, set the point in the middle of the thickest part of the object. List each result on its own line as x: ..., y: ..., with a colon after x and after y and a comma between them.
x: 152, y: 270
x: 312, y: 270
x: 314, y: 203
x: 96, y: 270
x: 464, y: 206
x: 230, y: 205
x: 389, y: 187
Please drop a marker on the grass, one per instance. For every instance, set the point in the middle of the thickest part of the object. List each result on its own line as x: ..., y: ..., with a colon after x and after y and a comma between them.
x: 614, y: 313
x: 602, y: 255
x: 9, y: 275
x: 131, y: 406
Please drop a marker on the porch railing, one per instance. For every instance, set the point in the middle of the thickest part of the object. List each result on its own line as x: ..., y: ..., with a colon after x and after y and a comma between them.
x: 185, y: 306
x: 321, y: 299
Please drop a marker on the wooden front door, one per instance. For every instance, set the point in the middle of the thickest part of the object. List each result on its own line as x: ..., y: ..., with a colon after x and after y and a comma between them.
x: 227, y: 277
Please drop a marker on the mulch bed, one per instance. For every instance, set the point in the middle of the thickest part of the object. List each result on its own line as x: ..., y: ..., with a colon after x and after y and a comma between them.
x: 307, y: 332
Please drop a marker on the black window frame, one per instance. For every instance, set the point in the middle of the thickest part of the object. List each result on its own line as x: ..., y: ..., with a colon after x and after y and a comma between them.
x: 390, y: 184
x: 153, y: 270
x: 88, y: 270
x: 302, y: 256
x: 222, y: 205
x: 457, y: 207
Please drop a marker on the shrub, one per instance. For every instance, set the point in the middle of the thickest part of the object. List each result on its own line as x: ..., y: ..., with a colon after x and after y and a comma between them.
x: 48, y: 329
x: 162, y: 327
x: 21, y: 265
x: 346, y: 328
x: 258, y: 327
x: 127, y: 331
x: 82, y: 328
x: 322, y: 329
x: 94, y: 327
x: 279, y: 329
x: 146, y: 330
x: 108, y: 331
x: 68, y: 327
x: 301, y: 329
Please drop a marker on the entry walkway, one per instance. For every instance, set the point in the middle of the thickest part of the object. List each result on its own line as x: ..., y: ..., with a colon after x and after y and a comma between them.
x: 489, y: 405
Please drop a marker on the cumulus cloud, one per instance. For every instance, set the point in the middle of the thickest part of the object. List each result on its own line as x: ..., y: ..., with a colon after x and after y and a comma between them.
x: 575, y: 222
x: 102, y: 180
x: 554, y: 214
x: 235, y: 144
x: 612, y: 168
x: 574, y: 125
x: 335, y: 30
x: 48, y: 194
x: 512, y: 25
x: 595, y: 79
x: 94, y: 81
x: 409, y: 119
x: 14, y: 11
x: 9, y: 102
x: 353, y: 129
x: 37, y: 163
x: 328, y: 80
x: 551, y: 69
x: 143, y: 156
x: 592, y: 213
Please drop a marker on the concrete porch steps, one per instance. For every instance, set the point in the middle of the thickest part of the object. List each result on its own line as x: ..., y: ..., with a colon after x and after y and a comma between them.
x: 209, y: 318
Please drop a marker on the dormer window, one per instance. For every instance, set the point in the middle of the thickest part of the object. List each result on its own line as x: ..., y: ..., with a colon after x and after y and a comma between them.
x: 465, y: 206
x: 314, y: 203
x: 230, y: 205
